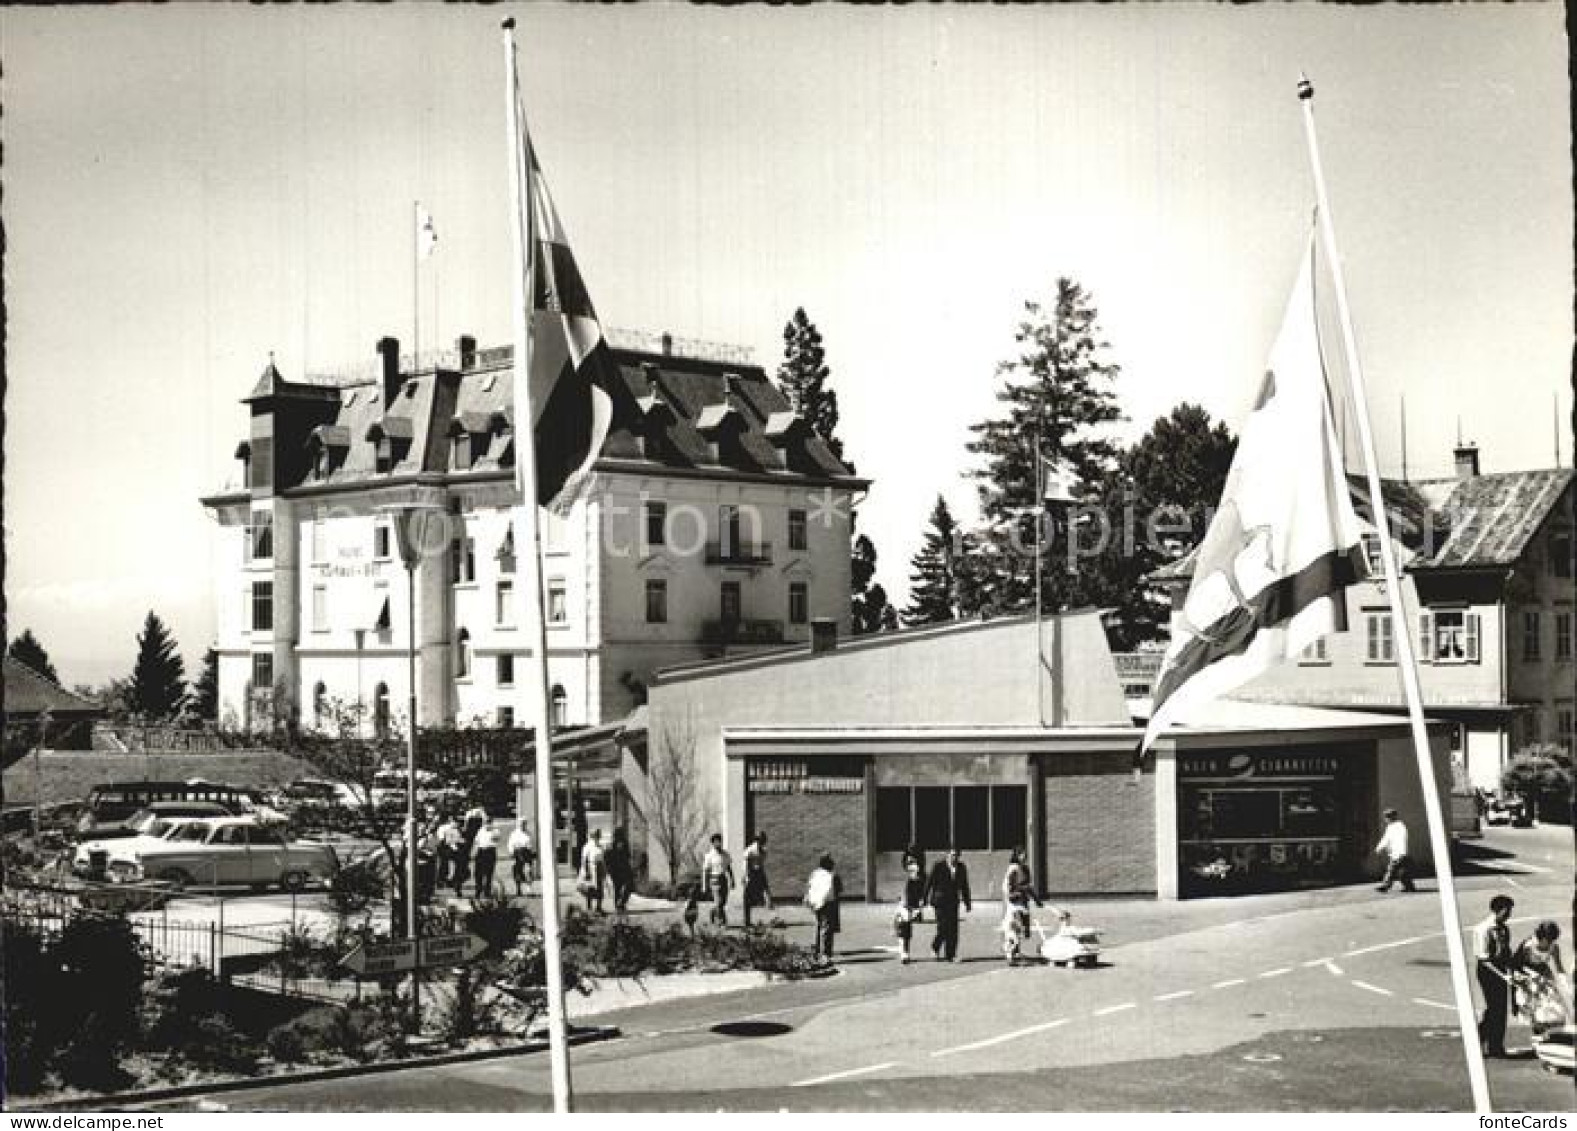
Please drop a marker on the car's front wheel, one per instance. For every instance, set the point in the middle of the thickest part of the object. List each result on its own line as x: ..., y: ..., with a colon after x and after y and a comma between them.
x: 293, y: 880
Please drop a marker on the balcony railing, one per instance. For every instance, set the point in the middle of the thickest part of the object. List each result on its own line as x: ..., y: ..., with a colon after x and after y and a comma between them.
x: 742, y: 631
x: 738, y: 553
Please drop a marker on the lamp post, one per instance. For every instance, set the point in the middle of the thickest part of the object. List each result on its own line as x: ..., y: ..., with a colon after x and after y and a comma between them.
x: 412, y: 522
x: 1053, y: 495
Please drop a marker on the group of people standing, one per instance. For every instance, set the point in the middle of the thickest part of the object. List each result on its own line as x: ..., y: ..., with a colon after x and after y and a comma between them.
x: 1524, y: 979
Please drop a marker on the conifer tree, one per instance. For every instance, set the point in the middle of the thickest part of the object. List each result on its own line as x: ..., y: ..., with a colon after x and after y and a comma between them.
x: 26, y: 649
x: 1059, y: 388
x: 803, y: 379
x: 203, y: 704
x: 870, y: 610
x: 934, y: 580
x: 158, y: 681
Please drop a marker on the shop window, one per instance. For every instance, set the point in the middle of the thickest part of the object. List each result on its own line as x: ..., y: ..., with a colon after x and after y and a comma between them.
x: 1530, y: 637
x: 893, y: 828
x: 656, y: 520
x: 932, y: 817
x: 972, y: 818
x: 656, y: 601
x: 796, y: 530
x: 1009, y: 816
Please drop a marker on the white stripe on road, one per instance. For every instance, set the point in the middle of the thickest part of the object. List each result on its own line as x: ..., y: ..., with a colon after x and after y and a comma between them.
x: 843, y: 1075
x: 1513, y: 882
x: 1436, y: 1004
x: 1175, y: 995
x: 1333, y: 968
x: 1277, y: 972
x: 1003, y: 1039
x: 1116, y: 1008
x: 1381, y: 946
x: 1228, y: 982
x: 1372, y: 989
x: 1318, y: 962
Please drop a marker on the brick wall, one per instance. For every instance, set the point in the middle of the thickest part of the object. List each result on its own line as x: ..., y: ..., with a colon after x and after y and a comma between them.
x: 800, y: 827
x: 1099, y: 825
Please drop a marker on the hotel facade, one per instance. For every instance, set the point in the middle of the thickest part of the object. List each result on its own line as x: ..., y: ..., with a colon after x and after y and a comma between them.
x: 716, y: 522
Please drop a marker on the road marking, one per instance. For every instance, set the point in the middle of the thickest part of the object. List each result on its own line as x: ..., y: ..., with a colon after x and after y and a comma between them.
x: 1372, y: 989
x: 1318, y: 962
x: 1333, y: 968
x: 1229, y: 982
x: 1003, y: 1039
x: 1513, y: 882
x: 844, y: 1075
x: 1381, y: 946
x: 1436, y: 1004
x: 1115, y: 1008
x: 1175, y: 995
x: 1277, y: 972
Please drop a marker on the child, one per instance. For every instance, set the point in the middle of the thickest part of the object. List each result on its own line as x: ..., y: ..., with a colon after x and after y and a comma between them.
x: 909, y: 905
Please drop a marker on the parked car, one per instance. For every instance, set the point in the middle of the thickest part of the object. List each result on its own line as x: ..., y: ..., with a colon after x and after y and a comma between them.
x: 313, y: 791
x: 92, y: 857
x: 235, y: 850
x: 113, y: 802
x: 145, y: 818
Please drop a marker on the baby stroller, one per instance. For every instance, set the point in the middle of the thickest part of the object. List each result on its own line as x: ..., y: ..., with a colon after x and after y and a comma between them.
x: 1069, y: 945
x: 1538, y: 997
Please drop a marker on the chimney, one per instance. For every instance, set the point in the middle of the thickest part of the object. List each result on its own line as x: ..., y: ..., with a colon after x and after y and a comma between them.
x: 1467, y: 461
x: 466, y: 348
x: 389, y: 351
x: 668, y: 344
x: 823, y: 635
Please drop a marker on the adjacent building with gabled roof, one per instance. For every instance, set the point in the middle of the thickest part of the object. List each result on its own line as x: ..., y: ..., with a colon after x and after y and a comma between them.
x: 717, y: 520
x: 1488, y: 564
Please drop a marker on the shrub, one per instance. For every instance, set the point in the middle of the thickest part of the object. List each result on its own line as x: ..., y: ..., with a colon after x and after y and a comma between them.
x: 286, y: 1044
x: 174, y: 1004
x: 497, y: 922
x: 216, y: 1043
x: 97, y: 996
x: 32, y: 1031
x: 468, y: 1008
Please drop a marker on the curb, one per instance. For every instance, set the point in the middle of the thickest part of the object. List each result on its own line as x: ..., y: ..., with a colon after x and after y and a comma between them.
x: 112, y: 1100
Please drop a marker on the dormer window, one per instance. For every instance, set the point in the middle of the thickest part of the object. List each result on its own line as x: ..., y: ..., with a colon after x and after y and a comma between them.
x: 328, y: 445
x: 468, y: 439
x: 391, y: 438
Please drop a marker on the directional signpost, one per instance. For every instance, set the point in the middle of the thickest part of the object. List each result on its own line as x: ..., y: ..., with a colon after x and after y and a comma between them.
x: 413, y: 954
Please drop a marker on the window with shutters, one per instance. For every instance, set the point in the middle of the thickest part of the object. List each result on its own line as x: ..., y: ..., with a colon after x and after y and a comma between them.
x: 1450, y: 636
x: 1381, y: 647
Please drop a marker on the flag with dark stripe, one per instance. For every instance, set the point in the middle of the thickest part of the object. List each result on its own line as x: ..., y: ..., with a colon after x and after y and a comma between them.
x: 1269, y: 576
x: 571, y: 374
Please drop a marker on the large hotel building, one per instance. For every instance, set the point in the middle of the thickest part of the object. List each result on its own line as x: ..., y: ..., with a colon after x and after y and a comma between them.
x: 717, y: 521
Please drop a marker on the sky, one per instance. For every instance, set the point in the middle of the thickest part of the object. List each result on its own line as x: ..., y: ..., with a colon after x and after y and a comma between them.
x: 190, y: 188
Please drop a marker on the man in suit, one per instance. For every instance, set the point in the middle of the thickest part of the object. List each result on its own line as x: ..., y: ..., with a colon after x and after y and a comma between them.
x: 947, y: 887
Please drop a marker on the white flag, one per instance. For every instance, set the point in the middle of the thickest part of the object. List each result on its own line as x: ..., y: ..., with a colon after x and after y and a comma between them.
x: 426, y: 234
x: 1284, y: 544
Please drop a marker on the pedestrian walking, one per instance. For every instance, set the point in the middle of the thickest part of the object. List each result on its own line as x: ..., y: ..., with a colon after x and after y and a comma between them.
x: 475, y: 818
x: 578, y: 823
x: 915, y: 855
x: 593, y: 877
x: 1393, y: 846
x: 522, y: 852
x: 1018, y: 890
x: 911, y: 904
x: 621, y: 871
x: 758, y: 892
x: 946, y: 888
x: 717, y: 877
x: 485, y: 857
x: 822, y: 893
x: 1492, y: 949
x: 448, y: 842
x: 460, y: 862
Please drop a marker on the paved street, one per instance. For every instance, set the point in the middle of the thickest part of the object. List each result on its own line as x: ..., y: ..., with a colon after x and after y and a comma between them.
x: 1335, y: 1000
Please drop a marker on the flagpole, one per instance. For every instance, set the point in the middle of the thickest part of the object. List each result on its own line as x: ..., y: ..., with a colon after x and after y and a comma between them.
x: 526, y: 477
x: 1402, y: 634
x: 416, y: 285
